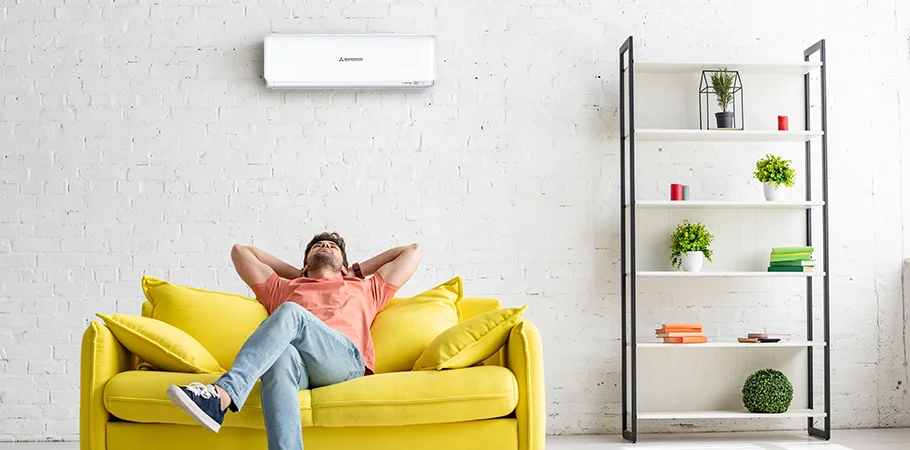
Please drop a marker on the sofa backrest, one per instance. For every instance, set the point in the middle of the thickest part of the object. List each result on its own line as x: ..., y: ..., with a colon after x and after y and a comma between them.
x: 468, y: 307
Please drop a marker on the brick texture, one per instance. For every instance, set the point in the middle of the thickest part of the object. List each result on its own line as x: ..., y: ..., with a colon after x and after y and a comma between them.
x: 141, y: 139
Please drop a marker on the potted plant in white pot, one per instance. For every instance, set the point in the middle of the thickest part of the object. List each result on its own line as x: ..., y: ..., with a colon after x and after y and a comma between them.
x: 690, y: 245
x: 774, y: 171
x: 722, y: 82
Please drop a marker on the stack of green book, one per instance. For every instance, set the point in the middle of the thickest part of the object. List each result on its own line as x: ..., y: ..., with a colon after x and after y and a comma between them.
x: 792, y: 259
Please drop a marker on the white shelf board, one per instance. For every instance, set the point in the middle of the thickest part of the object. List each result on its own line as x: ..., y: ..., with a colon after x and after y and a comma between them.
x: 768, y: 68
x: 733, y: 344
x: 733, y: 414
x: 666, y: 204
x: 671, y: 134
x: 729, y: 274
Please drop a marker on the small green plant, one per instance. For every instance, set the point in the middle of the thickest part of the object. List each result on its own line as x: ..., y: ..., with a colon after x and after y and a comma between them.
x: 767, y: 391
x: 689, y: 237
x: 775, y: 170
x: 722, y: 82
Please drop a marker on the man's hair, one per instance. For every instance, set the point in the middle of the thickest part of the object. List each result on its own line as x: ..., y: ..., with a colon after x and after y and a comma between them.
x: 333, y: 237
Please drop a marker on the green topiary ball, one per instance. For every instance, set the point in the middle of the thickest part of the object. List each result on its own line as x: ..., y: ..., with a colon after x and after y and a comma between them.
x: 767, y: 391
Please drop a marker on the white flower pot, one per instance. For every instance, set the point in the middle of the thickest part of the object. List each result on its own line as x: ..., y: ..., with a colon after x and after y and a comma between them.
x: 772, y: 194
x: 692, y: 261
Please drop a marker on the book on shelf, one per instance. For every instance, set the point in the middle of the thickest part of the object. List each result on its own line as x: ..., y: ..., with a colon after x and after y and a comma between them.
x: 759, y: 340
x: 792, y: 257
x: 791, y: 250
x: 780, y: 336
x: 679, y: 327
x: 790, y: 269
x: 689, y: 331
x: 686, y: 340
x: 679, y: 334
x: 799, y: 263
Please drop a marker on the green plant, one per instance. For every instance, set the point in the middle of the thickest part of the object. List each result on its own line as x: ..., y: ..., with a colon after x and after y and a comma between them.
x: 722, y: 82
x: 689, y: 237
x: 776, y: 170
x: 767, y: 391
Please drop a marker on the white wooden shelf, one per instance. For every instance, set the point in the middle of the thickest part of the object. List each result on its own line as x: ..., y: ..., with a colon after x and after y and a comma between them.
x: 733, y: 344
x: 768, y: 68
x: 707, y: 204
x: 729, y: 274
x: 732, y: 414
x: 671, y: 134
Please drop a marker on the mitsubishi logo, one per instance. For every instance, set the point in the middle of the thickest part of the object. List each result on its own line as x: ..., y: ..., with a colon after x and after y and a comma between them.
x: 343, y: 59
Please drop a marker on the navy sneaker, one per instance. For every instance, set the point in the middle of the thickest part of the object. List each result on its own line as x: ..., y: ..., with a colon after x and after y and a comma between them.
x: 201, y: 402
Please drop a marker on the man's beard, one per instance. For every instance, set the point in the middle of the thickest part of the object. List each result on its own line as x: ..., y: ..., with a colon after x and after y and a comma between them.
x: 322, y: 260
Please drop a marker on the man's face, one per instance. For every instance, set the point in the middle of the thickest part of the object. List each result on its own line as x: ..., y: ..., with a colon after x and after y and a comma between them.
x: 324, y: 254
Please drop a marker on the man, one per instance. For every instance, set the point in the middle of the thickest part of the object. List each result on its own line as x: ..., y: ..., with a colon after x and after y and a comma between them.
x: 317, y: 332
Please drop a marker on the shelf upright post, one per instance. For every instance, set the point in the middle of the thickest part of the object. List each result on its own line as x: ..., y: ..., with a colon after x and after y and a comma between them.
x: 627, y: 274
x: 824, y: 433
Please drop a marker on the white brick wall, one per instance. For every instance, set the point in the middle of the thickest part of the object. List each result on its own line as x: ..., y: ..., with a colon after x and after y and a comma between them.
x: 140, y: 139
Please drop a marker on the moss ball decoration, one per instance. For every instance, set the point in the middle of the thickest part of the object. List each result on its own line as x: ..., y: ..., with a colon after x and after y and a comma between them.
x: 767, y: 391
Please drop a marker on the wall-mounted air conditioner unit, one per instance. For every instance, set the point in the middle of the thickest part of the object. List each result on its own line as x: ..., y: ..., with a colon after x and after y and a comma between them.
x: 331, y: 61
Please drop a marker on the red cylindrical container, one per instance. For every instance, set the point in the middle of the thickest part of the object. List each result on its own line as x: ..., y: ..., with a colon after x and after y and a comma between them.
x: 676, y: 191
x: 783, y: 123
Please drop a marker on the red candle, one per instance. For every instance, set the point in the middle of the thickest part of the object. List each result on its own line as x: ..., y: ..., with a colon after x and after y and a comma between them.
x: 783, y: 123
x: 676, y: 191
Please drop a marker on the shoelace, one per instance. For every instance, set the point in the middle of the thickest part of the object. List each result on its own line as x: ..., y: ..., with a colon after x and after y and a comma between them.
x: 203, y: 390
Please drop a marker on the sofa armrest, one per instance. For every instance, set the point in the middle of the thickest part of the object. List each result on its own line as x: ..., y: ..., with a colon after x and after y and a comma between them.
x: 524, y: 357
x: 102, y: 357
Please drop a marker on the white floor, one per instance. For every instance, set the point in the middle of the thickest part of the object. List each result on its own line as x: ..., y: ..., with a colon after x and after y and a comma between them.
x: 874, y: 439
x: 878, y: 439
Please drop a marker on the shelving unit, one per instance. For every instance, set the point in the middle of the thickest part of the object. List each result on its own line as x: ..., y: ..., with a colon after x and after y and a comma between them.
x: 815, y: 142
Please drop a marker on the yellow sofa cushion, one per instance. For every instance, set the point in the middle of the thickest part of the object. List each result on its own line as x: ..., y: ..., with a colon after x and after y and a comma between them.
x: 401, y: 398
x: 474, y: 306
x: 164, y: 346
x: 404, y: 328
x: 221, y: 322
x: 413, y: 398
x: 471, y: 341
x: 139, y: 396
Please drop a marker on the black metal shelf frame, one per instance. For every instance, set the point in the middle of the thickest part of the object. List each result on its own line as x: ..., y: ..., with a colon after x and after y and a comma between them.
x: 628, y: 266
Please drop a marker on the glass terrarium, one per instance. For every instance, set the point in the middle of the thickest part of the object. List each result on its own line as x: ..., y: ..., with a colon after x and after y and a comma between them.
x: 717, y: 93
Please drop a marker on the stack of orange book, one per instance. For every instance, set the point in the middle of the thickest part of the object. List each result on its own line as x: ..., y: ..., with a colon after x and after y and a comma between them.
x: 681, y: 333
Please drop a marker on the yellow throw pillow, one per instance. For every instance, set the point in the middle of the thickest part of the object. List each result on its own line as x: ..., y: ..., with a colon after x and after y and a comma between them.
x: 471, y: 341
x: 404, y: 328
x: 164, y: 346
x: 221, y: 322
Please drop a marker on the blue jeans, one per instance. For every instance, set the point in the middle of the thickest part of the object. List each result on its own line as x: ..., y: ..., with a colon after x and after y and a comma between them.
x: 291, y: 350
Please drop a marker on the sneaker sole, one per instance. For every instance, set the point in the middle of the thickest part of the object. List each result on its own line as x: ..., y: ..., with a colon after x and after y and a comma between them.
x: 183, y: 401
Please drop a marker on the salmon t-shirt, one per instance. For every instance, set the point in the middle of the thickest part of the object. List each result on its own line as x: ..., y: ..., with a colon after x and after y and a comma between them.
x: 346, y: 304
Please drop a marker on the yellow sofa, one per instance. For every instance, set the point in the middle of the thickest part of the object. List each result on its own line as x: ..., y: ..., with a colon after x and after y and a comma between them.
x: 499, y: 405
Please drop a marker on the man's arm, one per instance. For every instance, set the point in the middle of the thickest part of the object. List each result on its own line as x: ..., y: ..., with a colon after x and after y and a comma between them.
x: 255, y: 266
x: 396, y: 265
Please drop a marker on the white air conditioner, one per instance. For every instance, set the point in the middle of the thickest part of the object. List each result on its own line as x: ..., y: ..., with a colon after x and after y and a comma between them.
x: 328, y: 61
